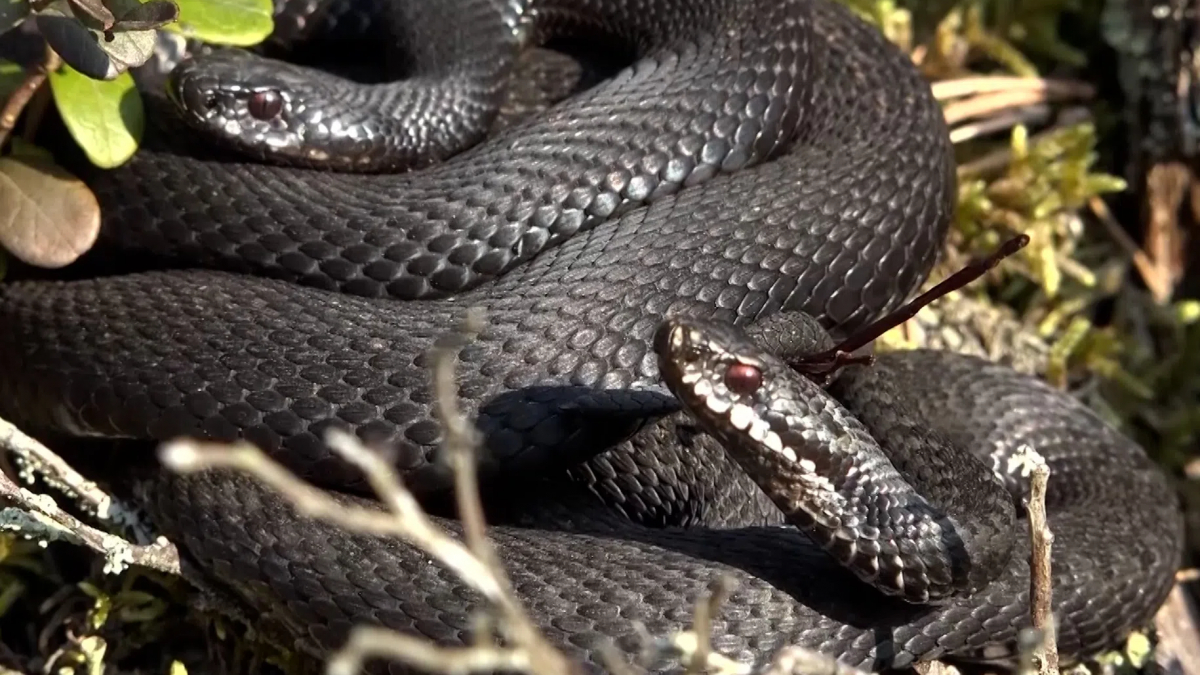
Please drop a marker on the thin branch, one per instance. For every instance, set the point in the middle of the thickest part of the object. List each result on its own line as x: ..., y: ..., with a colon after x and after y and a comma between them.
x: 1160, y: 287
x: 39, y: 516
x: 801, y: 661
x: 36, y: 459
x: 367, y: 642
x: 822, y: 365
x: 706, y: 609
x: 1040, y: 579
x: 35, y: 76
x: 404, y: 518
x: 461, y: 440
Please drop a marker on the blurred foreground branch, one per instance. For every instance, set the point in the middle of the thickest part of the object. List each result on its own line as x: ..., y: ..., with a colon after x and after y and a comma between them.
x: 472, y: 559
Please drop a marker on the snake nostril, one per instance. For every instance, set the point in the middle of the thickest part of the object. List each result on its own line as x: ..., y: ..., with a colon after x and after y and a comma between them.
x: 197, y: 99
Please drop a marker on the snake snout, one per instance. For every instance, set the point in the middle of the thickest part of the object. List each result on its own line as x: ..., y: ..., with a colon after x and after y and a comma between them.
x: 195, y: 99
x: 199, y: 101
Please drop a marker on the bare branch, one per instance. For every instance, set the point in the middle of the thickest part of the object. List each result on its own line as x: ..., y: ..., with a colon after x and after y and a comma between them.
x: 1040, y: 579
x: 801, y: 661
x: 368, y: 642
x: 406, y: 520
x: 39, y: 516
x: 474, y: 563
x: 19, y: 98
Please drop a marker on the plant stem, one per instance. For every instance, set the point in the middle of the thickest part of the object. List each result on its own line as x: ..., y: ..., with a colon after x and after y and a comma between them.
x: 16, y: 103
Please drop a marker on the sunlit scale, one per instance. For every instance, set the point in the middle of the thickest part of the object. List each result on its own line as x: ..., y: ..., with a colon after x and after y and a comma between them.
x: 740, y: 415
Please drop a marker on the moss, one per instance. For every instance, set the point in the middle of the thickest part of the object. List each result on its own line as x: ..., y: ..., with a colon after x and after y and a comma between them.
x: 1087, y: 324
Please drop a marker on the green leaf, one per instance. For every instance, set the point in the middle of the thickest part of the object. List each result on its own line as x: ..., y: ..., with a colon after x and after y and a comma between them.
x: 241, y: 23
x: 105, y: 117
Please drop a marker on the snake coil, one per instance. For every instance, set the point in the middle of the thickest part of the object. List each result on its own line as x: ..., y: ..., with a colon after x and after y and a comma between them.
x: 759, y: 162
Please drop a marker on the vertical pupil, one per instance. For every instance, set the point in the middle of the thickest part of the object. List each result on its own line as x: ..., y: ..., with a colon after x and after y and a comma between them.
x: 265, y: 105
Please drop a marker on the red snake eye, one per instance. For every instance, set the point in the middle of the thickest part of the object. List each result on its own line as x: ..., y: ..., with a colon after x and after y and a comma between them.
x: 265, y: 105
x: 743, y: 379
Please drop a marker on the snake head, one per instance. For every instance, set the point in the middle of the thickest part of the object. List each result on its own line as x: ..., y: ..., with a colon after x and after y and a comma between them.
x: 722, y: 378
x: 269, y: 110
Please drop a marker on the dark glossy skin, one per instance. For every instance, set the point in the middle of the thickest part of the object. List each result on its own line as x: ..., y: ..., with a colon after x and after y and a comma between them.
x: 789, y: 159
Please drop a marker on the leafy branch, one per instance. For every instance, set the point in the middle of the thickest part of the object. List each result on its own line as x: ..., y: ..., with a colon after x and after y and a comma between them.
x: 90, y: 48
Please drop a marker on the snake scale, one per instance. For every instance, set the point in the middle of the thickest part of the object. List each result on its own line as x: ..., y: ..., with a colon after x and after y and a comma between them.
x: 756, y: 160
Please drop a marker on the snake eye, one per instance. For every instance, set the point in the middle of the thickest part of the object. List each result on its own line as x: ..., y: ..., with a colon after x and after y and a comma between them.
x: 743, y: 379
x: 265, y: 105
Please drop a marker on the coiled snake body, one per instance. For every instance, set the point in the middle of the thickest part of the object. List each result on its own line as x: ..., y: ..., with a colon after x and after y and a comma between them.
x: 759, y: 158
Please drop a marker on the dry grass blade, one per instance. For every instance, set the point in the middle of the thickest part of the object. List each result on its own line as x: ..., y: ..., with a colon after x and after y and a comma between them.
x: 989, y: 84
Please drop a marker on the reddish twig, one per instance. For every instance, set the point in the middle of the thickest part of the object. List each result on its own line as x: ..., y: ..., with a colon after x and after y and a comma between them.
x: 15, y: 105
x: 820, y: 367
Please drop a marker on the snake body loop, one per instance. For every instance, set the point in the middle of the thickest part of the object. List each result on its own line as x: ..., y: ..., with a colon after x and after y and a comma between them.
x: 760, y: 160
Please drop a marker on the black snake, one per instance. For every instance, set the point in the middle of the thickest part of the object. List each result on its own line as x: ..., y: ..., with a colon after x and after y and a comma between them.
x: 759, y: 158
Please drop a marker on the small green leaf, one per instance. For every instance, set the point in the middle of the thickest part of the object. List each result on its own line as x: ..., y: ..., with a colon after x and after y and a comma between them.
x: 240, y: 23
x: 106, y: 118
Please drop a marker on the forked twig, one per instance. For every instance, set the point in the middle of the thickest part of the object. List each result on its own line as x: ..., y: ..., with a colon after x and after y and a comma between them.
x: 473, y: 561
x: 38, y: 516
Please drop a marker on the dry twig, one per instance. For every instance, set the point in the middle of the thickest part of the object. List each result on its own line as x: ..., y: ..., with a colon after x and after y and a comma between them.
x: 989, y: 84
x: 1040, y: 579
x: 15, y: 105
x: 1157, y: 282
x: 474, y: 562
x: 39, y: 517
x: 1034, y: 114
